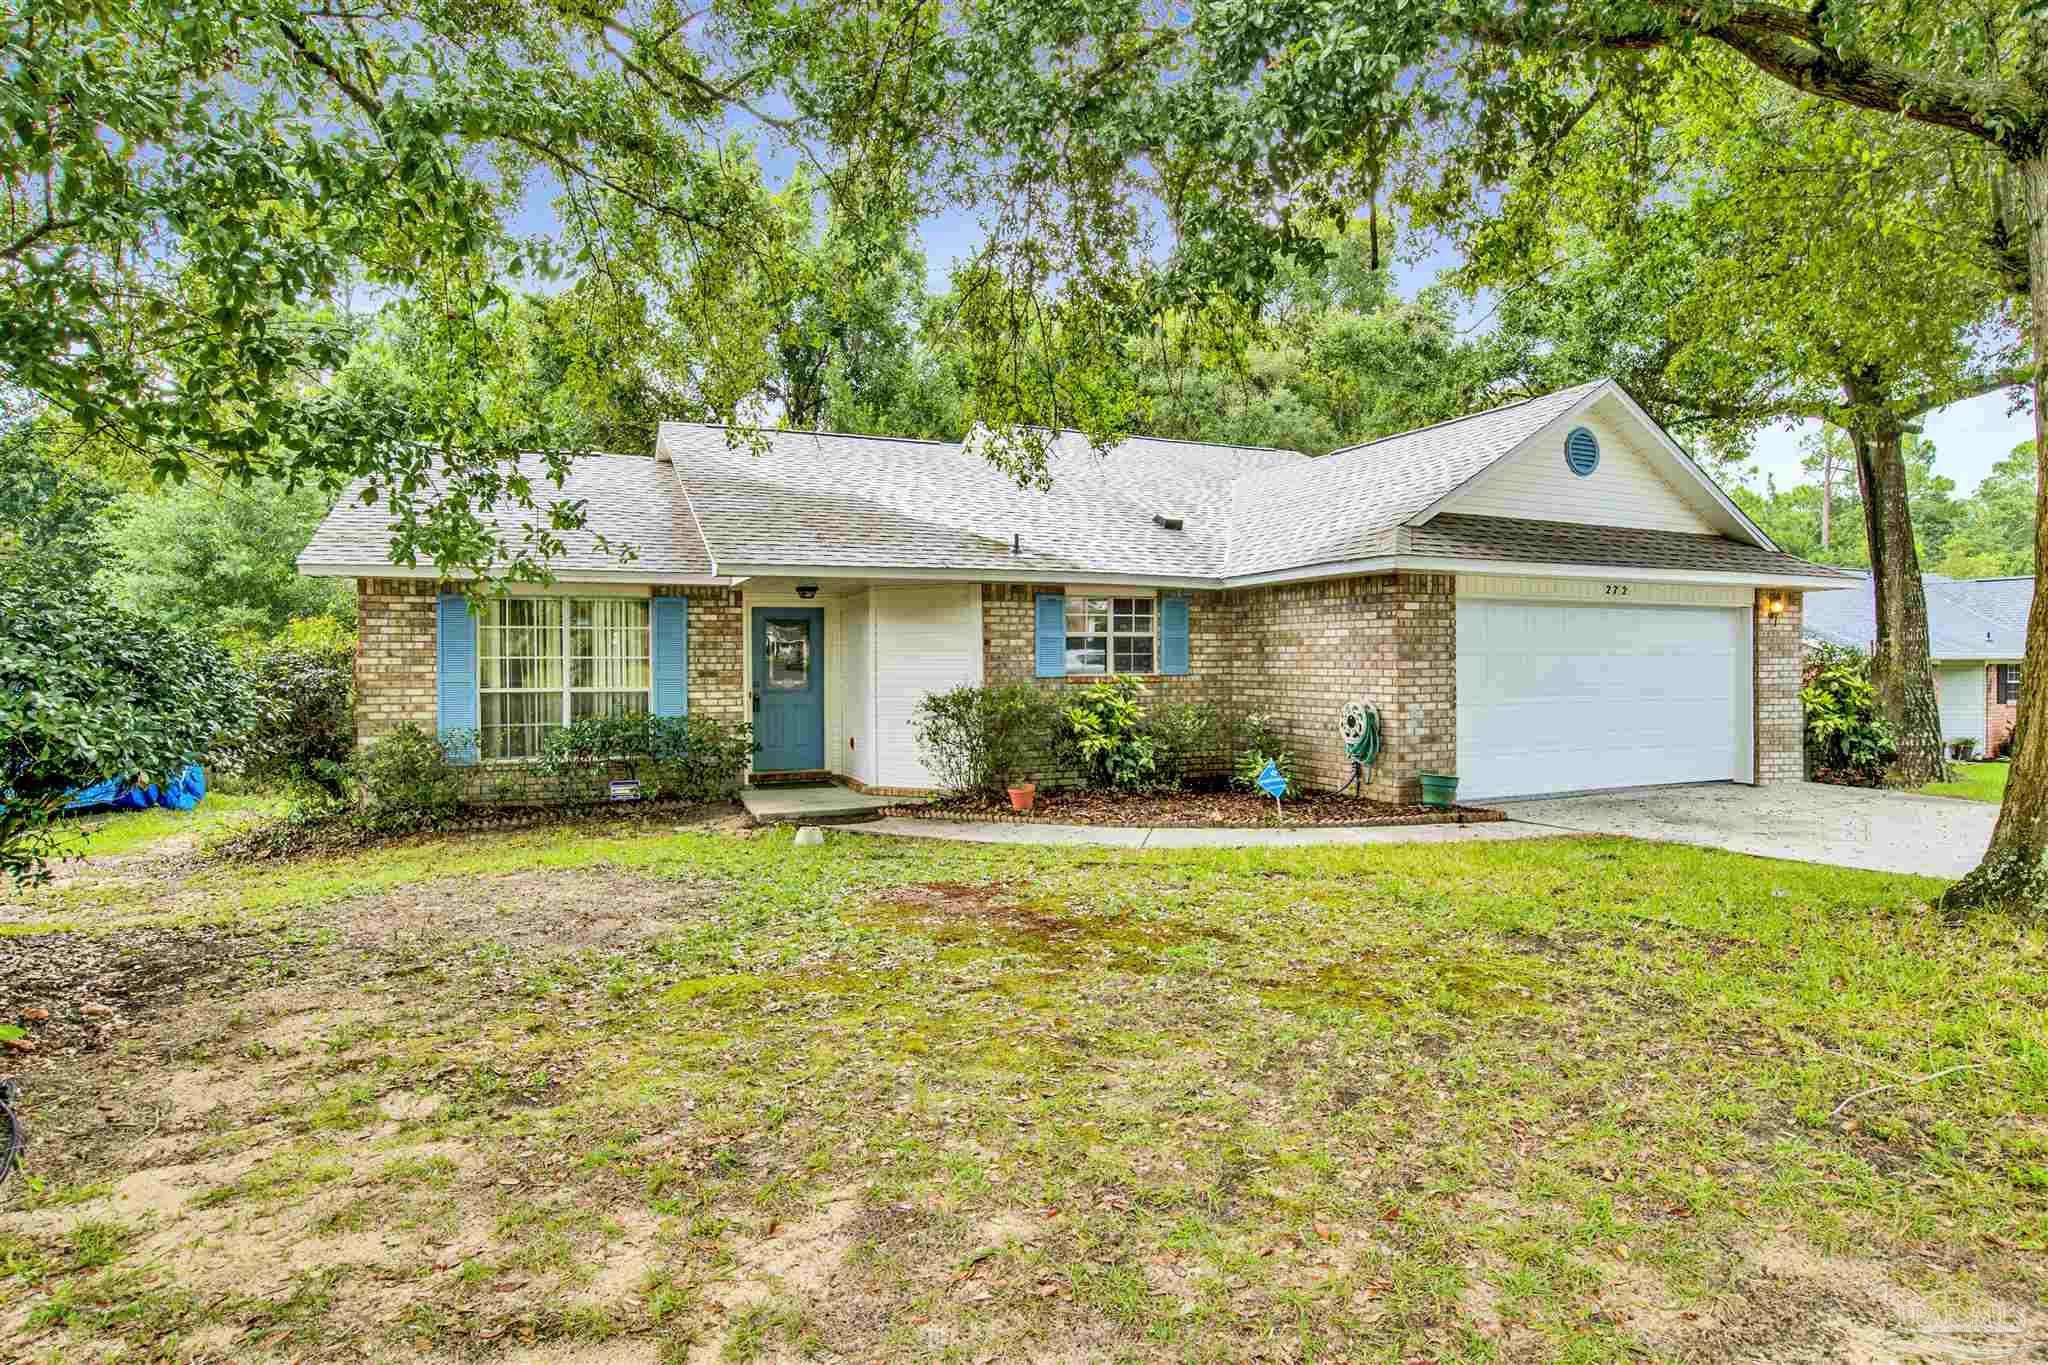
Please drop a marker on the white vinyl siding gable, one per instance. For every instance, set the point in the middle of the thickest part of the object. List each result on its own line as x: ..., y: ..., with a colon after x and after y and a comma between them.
x: 1535, y: 484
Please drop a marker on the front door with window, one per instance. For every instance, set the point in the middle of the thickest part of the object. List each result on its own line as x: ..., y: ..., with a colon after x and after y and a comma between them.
x: 789, y: 688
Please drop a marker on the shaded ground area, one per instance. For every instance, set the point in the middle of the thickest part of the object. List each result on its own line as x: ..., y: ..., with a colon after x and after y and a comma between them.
x: 657, y: 1095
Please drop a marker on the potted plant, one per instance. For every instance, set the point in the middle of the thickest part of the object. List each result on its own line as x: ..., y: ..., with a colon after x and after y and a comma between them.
x: 1022, y: 795
x: 1439, y: 789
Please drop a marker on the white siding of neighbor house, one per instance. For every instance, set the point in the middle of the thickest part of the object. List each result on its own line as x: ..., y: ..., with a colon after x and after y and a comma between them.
x: 1959, y: 692
x: 858, y: 720
x: 1626, y: 490
x: 926, y: 639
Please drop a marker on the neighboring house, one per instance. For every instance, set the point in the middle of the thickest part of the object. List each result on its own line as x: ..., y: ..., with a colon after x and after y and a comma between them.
x: 1549, y: 596
x: 1976, y: 634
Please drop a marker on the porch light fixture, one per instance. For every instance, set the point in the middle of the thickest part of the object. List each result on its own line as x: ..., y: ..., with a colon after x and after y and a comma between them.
x: 807, y: 590
x: 1774, y: 604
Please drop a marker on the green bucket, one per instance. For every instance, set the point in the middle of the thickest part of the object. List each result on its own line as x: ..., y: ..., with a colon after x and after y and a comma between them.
x: 1439, y: 789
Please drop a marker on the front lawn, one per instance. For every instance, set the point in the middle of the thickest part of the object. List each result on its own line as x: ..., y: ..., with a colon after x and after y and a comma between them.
x: 658, y: 1095
x: 1973, y: 782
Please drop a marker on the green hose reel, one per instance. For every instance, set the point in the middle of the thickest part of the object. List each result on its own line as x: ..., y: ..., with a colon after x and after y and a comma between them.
x: 1361, y: 731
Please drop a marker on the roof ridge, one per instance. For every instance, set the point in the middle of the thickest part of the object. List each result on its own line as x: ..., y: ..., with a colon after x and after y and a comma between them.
x: 1220, y: 445
x: 1453, y: 421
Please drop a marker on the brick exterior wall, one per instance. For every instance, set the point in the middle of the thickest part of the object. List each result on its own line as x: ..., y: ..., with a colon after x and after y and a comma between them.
x: 1296, y: 653
x: 395, y: 635
x: 1780, y: 718
x: 1999, y: 716
x: 1009, y: 655
x: 1305, y: 650
x: 395, y: 674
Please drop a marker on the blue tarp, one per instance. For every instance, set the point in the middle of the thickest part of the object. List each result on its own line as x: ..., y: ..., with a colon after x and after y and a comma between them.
x: 182, y: 792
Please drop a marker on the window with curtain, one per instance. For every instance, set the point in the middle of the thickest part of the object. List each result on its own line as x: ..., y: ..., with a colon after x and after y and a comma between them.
x: 1111, y: 635
x: 545, y: 661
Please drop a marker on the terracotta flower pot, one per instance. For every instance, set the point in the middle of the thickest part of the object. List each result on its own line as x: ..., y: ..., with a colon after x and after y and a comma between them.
x: 1022, y: 795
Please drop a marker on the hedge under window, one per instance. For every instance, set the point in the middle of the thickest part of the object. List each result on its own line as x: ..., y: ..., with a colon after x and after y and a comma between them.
x: 545, y: 661
x: 1111, y: 635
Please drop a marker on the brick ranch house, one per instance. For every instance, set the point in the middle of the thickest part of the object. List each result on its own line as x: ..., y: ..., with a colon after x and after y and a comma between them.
x: 1977, y: 638
x: 1548, y: 596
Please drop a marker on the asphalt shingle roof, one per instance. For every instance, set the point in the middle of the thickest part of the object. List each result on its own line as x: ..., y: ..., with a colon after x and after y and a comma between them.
x: 1967, y: 618
x: 1550, y: 542
x: 720, y: 501
x: 629, y: 499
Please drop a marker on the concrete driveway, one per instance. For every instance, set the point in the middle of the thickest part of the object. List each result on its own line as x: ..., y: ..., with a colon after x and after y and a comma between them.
x: 1883, y: 831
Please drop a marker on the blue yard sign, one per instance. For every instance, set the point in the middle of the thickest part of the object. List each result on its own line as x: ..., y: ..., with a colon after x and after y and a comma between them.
x: 1271, y: 782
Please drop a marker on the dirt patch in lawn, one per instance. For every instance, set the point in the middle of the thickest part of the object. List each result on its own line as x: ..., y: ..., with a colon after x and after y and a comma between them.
x: 522, y: 912
x: 1221, y: 810
x: 78, y: 992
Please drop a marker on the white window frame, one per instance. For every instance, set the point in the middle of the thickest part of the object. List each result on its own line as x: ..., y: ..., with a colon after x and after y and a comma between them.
x: 1999, y: 686
x: 1111, y: 635
x: 568, y: 691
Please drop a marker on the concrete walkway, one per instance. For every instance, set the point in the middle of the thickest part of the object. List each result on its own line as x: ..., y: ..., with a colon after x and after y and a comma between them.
x: 1123, y: 836
x: 1879, y: 831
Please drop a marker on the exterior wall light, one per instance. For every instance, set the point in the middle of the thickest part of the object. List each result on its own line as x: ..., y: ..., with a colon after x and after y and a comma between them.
x: 807, y: 590
x: 1774, y: 604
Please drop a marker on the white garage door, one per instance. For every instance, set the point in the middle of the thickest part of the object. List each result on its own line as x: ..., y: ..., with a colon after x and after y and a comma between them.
x: 1555, y: 698
x: 1960, y: 693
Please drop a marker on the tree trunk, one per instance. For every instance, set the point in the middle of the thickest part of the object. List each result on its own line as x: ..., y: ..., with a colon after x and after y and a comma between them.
x: 1899, y: 667
x: 2011, y: 876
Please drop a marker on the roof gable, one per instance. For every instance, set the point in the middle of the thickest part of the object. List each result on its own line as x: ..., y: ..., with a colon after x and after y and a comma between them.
x: 1632, y: 484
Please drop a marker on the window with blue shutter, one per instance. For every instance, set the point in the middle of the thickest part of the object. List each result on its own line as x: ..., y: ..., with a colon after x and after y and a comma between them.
x: 455, y: 673
x: 671, y: 656
x: 1173, y: 636
x: 1051, y: 649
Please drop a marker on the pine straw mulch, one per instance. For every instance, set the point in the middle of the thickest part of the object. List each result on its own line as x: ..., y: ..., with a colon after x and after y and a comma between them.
x: 1219, y: 809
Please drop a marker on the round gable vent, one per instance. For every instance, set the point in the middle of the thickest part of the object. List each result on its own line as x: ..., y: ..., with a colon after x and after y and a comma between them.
x: 1581, y: 451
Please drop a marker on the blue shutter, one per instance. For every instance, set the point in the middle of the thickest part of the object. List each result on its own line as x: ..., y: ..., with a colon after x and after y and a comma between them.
x: 455, y: 670
x: 1052, y: 635
x: 1173, y: 636
x: 671, y: 656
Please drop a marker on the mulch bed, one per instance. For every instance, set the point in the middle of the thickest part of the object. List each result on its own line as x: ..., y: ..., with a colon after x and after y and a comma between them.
x: 1225, y: 810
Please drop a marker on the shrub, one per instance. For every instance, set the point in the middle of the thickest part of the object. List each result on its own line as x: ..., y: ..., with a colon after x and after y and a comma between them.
x: 306, y: 740
x: 690, y: 758
x: 1182, y: 732
x: 89, y: 692
x: 979, y: 739
x: 1257, y: 739
x: 1846, y: 738
x: 1963, y: 749
x: 1103, y: 733
x: 405, y: 781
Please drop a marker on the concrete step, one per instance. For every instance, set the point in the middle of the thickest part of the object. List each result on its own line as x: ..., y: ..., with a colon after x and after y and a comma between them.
x: 819, y: 804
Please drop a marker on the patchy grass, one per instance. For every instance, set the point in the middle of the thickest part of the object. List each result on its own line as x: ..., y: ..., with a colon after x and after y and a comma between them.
x: 1974, y: 782
x: 102, y: 834
x: 696, y: 1095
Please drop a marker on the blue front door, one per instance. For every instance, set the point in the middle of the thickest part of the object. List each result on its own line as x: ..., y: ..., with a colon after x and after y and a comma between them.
x: 789, y: 688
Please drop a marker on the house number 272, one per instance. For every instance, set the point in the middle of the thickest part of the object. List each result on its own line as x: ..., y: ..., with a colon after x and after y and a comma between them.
x: 1617, y: 589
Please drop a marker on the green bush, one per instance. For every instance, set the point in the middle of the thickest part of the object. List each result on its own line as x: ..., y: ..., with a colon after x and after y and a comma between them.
x: 1103, y: 736
x: 306, y: 740
x: 1182, y: 732
x: 689, y: 758
x: 1845, y: 737
x: 1255, y: 740
x: 405, y: 781
x: 979, y: 739
x: 89, y: 691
